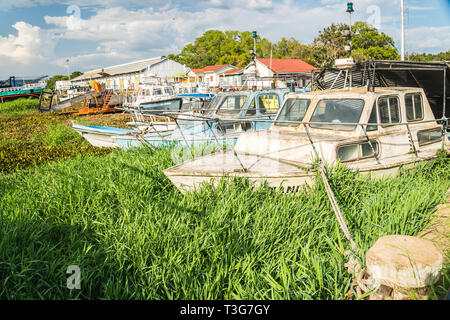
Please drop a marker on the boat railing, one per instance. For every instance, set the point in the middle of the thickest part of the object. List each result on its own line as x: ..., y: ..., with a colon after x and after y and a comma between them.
x: 306, y: 124
x: 24, y: 87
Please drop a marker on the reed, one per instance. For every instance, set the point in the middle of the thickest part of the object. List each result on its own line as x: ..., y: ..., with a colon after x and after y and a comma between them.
x: 135, y: 236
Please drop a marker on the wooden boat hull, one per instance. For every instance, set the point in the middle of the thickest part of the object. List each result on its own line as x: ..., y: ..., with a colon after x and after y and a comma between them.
x: 288, y: 176
x: 164, y: 139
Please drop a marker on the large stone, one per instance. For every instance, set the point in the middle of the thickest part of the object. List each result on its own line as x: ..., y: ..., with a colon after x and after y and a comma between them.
x: 404, y: 262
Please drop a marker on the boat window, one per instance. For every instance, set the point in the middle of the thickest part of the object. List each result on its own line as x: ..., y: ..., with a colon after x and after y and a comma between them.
x: 429, y: 136
x: 373, y: 119
x: 389, y: 109
x: 337, y: 111
x: 229, y: 128
x: 169, y: 90
x: 157, y: 92
x: 252, y: 108
x: 146, y: 92
x: 268, y: 103
x: 414, y: 107
x: 357, y: 151
x: 209, y: 108
x: 293, y: 110
x: 232, y: 104
x: 394, y: 109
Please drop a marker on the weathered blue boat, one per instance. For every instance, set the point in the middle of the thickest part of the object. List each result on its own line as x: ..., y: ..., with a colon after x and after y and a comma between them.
x: 103, y: 136
x: 228, y: 115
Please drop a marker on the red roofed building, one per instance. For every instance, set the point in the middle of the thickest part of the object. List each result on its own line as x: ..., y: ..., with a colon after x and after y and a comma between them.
x: 269, y: 71
x: 232, y: 78
x: 209, y: 75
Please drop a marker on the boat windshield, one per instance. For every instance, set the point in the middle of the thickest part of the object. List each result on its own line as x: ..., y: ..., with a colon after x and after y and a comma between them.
x: 337, y: 111
x: 209, y: 109
x: 293, y: 110
x: 232, y: 105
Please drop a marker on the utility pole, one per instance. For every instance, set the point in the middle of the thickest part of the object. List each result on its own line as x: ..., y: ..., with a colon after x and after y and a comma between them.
x: 402, y: 9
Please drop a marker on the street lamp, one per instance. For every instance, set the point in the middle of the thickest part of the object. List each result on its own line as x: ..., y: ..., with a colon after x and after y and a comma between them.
x: 350, y: 10
x: 253, y: 53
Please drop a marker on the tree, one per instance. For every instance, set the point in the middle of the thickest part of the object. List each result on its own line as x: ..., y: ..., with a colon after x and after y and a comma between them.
x: 218, y: 47
x: 51, y: 82
x: 373, y: 44
x: 75, y: 74
x: 367, y: 43
x: 427, y: 57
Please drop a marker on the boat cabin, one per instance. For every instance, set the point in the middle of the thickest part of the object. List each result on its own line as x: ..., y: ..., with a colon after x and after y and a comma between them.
x: 232, y: 107
x: 373, y: 130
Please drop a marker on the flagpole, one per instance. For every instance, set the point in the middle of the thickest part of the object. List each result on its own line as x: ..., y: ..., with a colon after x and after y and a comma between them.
x: 402, y: 8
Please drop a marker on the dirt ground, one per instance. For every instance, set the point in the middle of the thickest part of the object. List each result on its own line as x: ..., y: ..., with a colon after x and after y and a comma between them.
x: 439, y: 231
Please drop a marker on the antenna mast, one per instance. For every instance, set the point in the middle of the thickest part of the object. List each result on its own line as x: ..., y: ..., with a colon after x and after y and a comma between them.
x: 402, y: 9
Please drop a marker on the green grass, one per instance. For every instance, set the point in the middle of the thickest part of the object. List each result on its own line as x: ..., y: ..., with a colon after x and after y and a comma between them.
x: 135, y: 236
x: 19, y: 107
x: 29, y: 138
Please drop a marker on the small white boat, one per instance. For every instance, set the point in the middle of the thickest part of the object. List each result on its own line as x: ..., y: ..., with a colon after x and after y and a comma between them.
x: 148, y: 94
x: 101, y: 136
x: 373, y: 131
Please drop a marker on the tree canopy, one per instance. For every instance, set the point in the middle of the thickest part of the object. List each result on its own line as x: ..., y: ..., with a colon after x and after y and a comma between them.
x: 59, y: 77
x: 216, y: 47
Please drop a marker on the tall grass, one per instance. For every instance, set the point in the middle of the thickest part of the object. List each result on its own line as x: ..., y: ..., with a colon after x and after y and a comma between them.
x: 135, y: 236
x: 34, y: 139
x: 22, y: 106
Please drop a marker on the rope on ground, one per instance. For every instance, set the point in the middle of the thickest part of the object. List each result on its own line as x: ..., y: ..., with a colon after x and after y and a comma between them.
x: 353, y: 266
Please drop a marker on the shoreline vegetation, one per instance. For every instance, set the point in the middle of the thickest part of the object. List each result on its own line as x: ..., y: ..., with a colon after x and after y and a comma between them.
x: 115, y: 215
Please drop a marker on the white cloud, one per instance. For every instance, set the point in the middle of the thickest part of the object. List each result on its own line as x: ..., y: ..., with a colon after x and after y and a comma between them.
x: 28, y: 53
x: 30, y: 45
x: 161, y: 27
x: 428, y: 39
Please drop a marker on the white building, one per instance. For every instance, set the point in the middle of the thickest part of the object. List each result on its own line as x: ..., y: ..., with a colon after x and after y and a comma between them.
x: 128, y: 76
x: 278, y: 71
x: 210, y: 75
x: 233, y: 78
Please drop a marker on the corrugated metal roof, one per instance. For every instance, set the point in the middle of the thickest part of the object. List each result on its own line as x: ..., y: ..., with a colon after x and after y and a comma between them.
x: 212, y: 68
x: 379, y: 73
x: 233, y: 71
x: 130, y: 67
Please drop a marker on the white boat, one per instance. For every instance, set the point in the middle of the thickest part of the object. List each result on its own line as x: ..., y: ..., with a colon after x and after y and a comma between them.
x: 148, y: 93
x: 373, y: 131
x: 101, y: 136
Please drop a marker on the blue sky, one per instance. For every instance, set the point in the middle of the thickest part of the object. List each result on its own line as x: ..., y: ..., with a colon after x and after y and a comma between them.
x: 37, y: 36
